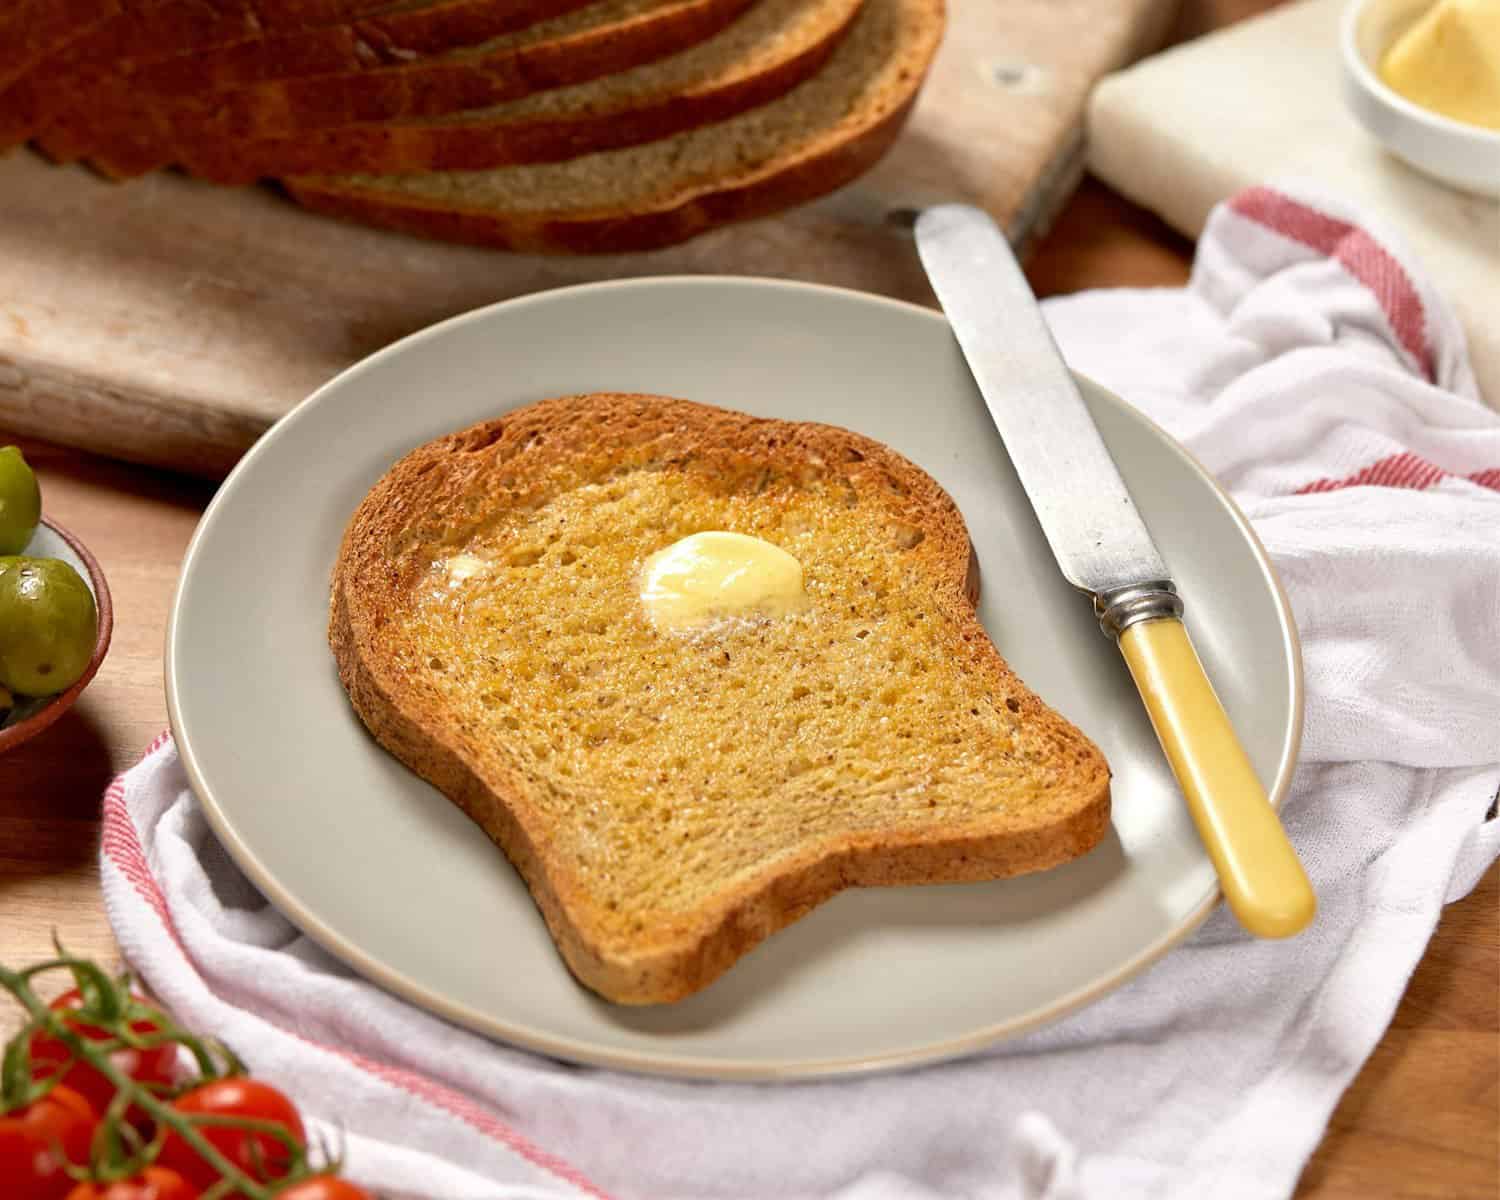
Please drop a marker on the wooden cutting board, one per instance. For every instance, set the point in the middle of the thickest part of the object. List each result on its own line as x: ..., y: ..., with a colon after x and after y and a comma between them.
x: 170, y: 322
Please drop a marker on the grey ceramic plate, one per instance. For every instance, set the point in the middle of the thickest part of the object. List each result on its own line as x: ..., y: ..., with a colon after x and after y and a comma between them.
x: 390, y: 877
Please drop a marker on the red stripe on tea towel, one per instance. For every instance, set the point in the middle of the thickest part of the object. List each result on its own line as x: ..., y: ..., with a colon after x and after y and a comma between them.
x: 1359, y: 254
x: 1405, y: 470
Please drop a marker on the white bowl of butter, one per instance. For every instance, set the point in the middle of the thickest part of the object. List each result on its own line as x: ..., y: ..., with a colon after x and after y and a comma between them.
x: 1424, y: 78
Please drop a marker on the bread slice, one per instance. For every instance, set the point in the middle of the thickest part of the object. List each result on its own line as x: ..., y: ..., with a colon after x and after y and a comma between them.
x: 673, y: 798
x: 608, y: 36
x: 814, y: 139
x: 71, y: 44
x: 769, y: 50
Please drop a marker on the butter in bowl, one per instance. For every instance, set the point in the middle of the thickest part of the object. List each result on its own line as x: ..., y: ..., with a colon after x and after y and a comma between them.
x: 1424, y: 78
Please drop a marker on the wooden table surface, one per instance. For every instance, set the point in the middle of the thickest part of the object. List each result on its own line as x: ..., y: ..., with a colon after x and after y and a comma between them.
x: 1422, y: 1120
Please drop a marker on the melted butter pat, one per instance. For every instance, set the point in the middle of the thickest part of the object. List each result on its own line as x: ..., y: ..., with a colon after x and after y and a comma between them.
x: 463, y: 566
x: 1449, y: 61
x: 712, y: 575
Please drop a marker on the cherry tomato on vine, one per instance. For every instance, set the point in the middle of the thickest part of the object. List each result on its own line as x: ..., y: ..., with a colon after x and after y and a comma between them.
x: 259, y: 1155
x: 321, y: 1187
x: 37, y: 1141
x: 153, y: 1183
x: 152, y: 1066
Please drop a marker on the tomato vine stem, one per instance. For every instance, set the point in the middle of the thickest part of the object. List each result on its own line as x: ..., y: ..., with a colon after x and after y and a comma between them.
x: 109, y: 1006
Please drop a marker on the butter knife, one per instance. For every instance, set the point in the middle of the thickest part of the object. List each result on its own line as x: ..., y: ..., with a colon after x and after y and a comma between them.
x: 1105, y: 550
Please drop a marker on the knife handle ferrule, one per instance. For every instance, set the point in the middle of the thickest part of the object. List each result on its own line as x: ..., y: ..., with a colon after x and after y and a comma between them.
x: 1119, y: 608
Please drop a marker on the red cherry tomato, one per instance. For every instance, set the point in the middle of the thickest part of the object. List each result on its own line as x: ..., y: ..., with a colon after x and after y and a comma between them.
x: 37, y: 1141
x: 259, y: 1155
x: 321, y: 1187
x: 152, y: 1066
x: 153, y: 1183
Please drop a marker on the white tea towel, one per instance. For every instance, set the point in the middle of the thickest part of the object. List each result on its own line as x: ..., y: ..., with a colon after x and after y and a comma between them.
x: 1310, y: 367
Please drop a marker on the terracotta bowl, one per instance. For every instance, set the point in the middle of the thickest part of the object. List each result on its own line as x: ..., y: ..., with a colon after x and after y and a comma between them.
x: 33, y: 716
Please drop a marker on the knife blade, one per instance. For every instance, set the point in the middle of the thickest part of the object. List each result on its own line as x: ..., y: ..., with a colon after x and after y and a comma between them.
x: 1087, y: 515
x: 1103, y: 547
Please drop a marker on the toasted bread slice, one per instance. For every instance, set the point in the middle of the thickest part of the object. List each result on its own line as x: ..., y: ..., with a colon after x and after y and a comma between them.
x: 125, y: 136
x: 672, y: 798
x: 817, y: 137
x: 773, y: 47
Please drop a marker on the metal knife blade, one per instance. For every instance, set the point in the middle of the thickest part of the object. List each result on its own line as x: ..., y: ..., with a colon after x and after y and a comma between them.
x: 1086, y: 513
x: 1103, y: 546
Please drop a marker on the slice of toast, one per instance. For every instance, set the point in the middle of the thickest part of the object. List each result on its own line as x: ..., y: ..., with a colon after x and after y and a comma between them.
x: 816, y: 138
x: 772, y: 48
x: 672, y: 798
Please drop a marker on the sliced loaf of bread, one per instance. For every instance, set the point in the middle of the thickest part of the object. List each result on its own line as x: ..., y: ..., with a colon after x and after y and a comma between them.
x: 34, y: 33
x: 769, y: 50
x: 182, y: 52
x: 166, y: 56
x: 30, y: 30
x: 59, y: 50
x: 602, y: 38
x: 817, y: 137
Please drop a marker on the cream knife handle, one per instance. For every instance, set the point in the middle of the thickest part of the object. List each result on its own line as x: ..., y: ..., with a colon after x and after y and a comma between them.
x: 1258, y: 869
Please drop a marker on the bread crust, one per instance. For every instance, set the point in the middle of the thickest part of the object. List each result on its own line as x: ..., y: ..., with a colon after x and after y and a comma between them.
x: 605, y: 231
x: 382, y: 555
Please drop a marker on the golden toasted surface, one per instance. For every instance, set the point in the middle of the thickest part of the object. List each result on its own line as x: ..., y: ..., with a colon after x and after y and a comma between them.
x: 660, y: 787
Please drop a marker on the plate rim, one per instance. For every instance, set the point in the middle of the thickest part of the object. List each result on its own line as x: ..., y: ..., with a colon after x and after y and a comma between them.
x: 690, y: 1066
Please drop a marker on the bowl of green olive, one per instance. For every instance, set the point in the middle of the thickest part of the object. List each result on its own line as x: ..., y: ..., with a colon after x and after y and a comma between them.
x: 55, y: 612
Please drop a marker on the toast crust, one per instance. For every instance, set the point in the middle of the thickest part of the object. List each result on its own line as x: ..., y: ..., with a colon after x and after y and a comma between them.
x: 434, y: 489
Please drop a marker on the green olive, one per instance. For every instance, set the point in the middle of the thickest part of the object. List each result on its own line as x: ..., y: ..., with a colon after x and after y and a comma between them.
x: 20, y: 501
x: 48, y: 625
